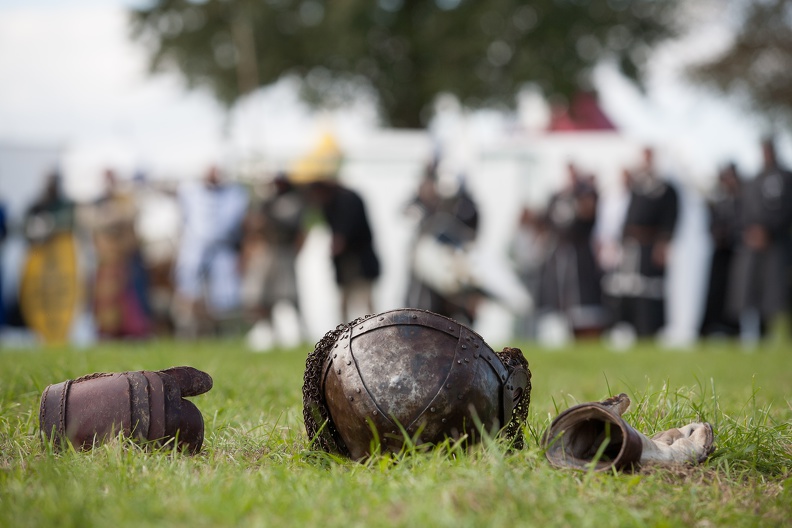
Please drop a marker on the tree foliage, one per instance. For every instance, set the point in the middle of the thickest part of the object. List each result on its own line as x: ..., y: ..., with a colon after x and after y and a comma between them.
x: 758, y: 63
x: 405, y: 52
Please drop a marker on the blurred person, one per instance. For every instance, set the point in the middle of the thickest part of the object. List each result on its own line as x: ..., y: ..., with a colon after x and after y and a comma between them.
x: 421, y: 207
x: 529, y: 250
x: 274, y: 235
x: 759, y: 273
x: 120, y: 286
x: 352, y: 244
x: 157, y: 225
x: 427, y: 197
x: 207, y: 265
x: 724, y: 213
x: 570, y: 276
x: 638, y: 283
x: 50, y: 286
x: 3, y: 235
x: 611, y: 212
x: 442, y: 280
x: 51, y: 213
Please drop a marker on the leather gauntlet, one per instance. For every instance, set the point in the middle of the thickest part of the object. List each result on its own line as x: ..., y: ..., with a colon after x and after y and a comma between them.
x: 145, y: 405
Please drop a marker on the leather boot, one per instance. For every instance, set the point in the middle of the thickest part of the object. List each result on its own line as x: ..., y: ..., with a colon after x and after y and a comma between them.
x: 145, y: 405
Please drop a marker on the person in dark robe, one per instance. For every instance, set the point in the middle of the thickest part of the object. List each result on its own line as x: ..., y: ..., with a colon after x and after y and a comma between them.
x: 723, y: 221
x: 638, y: 283
x: 352, y: 247
x: 758, y: 293
x: 570, y: 276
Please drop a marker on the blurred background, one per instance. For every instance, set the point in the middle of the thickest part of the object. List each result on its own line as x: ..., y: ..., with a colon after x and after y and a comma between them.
x: 195, y: 168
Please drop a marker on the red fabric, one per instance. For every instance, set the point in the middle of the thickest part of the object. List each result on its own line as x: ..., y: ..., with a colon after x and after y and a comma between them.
x: 584, y: 114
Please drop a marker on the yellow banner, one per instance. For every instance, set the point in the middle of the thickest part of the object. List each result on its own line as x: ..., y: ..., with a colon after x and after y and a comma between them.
x: 49, y: 291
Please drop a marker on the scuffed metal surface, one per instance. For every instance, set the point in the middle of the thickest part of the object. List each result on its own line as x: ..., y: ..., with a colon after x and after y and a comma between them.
x: 410, y: 372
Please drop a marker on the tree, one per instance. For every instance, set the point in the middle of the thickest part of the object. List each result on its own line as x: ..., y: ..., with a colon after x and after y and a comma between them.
x: 405, y: 52
x: 758, y: 63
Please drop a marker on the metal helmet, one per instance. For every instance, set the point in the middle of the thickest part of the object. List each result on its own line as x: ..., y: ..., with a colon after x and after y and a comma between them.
x: 410, y: 374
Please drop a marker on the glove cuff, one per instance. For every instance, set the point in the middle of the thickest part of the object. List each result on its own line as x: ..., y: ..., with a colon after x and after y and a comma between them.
x: 578, y: 435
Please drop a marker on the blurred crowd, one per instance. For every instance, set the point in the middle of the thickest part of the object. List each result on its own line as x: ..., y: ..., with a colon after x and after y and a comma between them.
x: 594, y: 268
x: 591, y: 269
x: 232, y: 260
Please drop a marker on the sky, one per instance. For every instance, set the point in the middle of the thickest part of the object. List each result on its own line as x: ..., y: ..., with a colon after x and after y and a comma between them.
x: 73, y: 77
x: 70, y: 77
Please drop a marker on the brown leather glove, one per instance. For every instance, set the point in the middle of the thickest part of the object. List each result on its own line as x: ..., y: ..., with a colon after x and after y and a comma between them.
x: 597, y: 431
x: 144, y: 405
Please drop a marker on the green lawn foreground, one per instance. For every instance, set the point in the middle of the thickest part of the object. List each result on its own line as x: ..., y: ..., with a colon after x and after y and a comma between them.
x: 257, y: 469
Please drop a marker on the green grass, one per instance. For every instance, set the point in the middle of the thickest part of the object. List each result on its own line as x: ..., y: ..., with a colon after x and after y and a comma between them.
x: 256, y: 468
